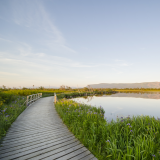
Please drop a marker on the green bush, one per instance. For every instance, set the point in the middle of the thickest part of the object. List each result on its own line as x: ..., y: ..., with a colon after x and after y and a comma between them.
x: 6, y: 97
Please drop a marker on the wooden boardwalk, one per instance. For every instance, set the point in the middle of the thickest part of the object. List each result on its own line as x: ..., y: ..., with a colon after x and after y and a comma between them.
x: 39, y: 133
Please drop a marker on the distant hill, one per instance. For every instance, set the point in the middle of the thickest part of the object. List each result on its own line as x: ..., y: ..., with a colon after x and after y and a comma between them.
x: 126, y: 85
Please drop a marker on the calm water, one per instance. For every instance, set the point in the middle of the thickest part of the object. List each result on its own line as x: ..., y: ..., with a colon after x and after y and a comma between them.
x: 125, y: 104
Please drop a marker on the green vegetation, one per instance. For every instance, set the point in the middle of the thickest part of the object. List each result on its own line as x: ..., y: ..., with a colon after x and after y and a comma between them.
x: 136, y: 138
x: 126, y: 139
x: 50, y: 92
x: 12, y: 101
x: 6, y: 98
x: 10, y: 108
x: 26, y: 92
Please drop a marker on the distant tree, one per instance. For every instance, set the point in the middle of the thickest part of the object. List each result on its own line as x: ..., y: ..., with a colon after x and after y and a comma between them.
x: 86, y: 89
x: 68, y: 88
x: 24, y: 88
x: 41, y: 88
x: 4, y: 87
x: 62, y: 87
x: 90, y: 88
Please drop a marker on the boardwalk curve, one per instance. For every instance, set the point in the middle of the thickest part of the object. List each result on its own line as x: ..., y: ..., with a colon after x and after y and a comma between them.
x: 39, y: 133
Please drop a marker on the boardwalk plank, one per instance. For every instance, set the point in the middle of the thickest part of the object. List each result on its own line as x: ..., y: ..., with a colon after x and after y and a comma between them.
x: 88, y: 157
x: 34, y: 148
x: 24, y: 142
x: 72, y: 154
x: 56, y: 151
x: 94, y: 158
x: 63, y: 153
x: 38, y: 136
x: 83, y: 154
x: 32, y: 125
x: 22, y: 129
x: 45, y: 151
x: 29, y: 143
x: 31, y: 134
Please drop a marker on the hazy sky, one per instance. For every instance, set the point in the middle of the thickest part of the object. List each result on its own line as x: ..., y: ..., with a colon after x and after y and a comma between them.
x: 71, y: 42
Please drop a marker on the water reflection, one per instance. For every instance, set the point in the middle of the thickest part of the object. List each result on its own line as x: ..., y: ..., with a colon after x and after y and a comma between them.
x: 125, y: 104
x: 150, y: 95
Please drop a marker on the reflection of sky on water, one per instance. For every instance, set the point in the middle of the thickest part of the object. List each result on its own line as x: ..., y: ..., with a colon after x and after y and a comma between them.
x: 122, y: 106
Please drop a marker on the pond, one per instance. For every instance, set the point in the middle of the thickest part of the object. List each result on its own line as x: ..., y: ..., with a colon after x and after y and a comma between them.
x: 125, y: 104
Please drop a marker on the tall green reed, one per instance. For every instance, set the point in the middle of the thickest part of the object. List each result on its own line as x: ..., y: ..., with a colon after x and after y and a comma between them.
x: 136, y: 138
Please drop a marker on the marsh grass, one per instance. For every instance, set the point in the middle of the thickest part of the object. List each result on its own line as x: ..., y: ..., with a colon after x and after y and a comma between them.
x: 9, y: 111
x: 82, y: 94
x: 50, y: 92
x: 136, y: 138
x: 20, y: 92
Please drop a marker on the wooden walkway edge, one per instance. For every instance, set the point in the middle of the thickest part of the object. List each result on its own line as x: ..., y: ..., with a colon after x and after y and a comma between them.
x: 39, y: 133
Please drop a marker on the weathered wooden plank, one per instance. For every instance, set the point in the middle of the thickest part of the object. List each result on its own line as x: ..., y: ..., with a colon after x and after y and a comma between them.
x: 33, y: 136
x: 39, y: 122
x: 88, y: 157
x: 31, y: 142
x: 18, y: 136
x: 11, y: 145
x: 30, y: 149
x: 94, y: 158
x: 28, y: 134
x: 83, y: 154
x: 25, y: 140
x: 35, y: 129
x: 63, y: 153
x: 47, y: 120
x: 43, y: 122
x: 50, y: 150
x: 72, y: 154
x: 37, y: 125
x: 55, y: 153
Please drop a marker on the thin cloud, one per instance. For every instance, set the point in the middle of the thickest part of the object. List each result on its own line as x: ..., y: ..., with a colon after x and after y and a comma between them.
x: 6, y: 40
x: 117, y: 71
x: 40, y: 54
x: 123, y: 64
x: 34, y: 16
x: 24, y: 63
x: 118, y: 60
x: 9, y: 74
x: 2, y: 53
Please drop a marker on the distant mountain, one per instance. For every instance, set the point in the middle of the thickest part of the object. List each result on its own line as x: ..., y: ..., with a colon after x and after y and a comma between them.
x: 126, y: 85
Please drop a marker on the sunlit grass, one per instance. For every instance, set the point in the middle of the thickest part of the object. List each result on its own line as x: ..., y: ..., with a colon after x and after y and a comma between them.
x: 136, y: 138
x: 50, y: 92
x: 20, y: 92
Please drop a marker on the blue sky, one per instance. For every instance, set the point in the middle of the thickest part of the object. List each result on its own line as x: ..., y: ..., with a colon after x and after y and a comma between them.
x: 76, y: 43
